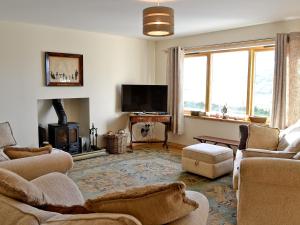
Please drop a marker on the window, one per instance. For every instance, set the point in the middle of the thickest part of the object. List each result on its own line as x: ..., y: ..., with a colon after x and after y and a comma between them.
x: 229, y: 75
x: 194, y: 83
x: 263, y: 83
x: 241, y: 79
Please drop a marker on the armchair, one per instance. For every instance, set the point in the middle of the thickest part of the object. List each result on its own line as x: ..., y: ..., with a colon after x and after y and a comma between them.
x: 267, y: 181
x: 269, y: 192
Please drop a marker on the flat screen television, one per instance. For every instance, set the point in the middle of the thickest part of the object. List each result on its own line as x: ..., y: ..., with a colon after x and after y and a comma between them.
x: 144, y: 98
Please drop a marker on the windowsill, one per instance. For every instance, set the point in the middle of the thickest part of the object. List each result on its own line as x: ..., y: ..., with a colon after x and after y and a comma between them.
x: 218, y: 119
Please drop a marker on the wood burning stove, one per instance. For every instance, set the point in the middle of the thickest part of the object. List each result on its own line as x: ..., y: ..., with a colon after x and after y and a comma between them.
x: 63, y: 135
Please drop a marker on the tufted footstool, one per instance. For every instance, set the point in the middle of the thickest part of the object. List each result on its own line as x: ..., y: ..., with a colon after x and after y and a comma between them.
x: 207, y: 160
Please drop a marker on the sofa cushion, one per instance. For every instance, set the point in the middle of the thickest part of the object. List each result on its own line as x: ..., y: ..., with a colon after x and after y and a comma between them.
x: 207, y: 153
x: 16, y: 187
x: 262, y: 137
x: 19, y: 152
x: 6, y: 135
x: 59, y: 190
x: 248, y: 153
x: 156, y: 204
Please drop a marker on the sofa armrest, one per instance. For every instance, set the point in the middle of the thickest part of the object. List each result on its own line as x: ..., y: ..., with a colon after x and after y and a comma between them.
x: 197, y: 217
x: 93, y: 219
x: 269, y: 191
x: 36, y: 166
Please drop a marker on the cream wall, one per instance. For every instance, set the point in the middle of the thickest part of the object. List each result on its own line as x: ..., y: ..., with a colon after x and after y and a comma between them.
x: 194, y: 127
x: 108, y: 62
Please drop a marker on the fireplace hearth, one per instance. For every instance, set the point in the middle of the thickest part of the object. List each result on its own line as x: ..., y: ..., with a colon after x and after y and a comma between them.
x: 63, y: 135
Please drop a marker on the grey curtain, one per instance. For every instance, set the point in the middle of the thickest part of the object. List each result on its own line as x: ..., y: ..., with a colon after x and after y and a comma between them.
x: 175, y: 88
x: 286, y: 90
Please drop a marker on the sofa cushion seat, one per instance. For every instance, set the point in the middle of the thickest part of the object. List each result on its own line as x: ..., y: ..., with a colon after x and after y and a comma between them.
x: 249, y: 152
x: 207, y: 153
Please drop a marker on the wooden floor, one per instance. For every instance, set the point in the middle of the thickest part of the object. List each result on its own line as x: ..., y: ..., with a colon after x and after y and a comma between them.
x: 173, y: 148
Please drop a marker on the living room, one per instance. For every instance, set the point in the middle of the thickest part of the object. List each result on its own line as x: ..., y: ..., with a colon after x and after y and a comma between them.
x: 109, y: 37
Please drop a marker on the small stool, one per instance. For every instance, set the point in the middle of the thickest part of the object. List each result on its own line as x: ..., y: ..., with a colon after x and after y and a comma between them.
x: 207, y: 160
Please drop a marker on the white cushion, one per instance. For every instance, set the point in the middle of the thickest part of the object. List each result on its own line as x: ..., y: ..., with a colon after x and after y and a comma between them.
x: 289, y: 136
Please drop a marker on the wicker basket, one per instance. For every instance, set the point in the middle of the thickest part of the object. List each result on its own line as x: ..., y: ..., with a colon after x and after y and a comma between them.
x: 116, y: 143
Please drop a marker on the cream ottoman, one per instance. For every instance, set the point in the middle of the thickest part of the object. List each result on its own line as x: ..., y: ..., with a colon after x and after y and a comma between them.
x: 207, y: 160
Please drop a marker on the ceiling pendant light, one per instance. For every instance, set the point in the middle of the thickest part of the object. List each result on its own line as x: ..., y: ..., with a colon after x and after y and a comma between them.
x: 158, y: 21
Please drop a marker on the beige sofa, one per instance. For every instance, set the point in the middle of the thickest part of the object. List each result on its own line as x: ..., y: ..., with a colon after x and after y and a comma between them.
x: 13, y: 212
x: 32, y: 167
x: 36, y: 166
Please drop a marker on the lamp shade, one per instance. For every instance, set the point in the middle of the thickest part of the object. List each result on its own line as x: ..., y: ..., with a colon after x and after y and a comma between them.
x: 158, y: 21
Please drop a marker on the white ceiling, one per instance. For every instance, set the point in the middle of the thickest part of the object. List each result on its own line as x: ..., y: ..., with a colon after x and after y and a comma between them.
x: 124, y: 17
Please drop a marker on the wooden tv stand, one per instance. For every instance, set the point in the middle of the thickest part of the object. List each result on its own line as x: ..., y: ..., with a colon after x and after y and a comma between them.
x: 148, y: 118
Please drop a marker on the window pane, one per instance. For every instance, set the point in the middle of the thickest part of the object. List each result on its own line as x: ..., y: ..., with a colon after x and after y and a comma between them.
x: 263, y: 83
x: 194, y: 87
x: 229, y: 82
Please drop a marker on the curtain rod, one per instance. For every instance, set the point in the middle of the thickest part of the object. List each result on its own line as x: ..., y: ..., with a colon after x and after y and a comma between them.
x: 228, y: 45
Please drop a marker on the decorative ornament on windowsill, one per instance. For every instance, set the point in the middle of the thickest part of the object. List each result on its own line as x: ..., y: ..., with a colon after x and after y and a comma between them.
x: 224, y: 111
x: 158, y: 21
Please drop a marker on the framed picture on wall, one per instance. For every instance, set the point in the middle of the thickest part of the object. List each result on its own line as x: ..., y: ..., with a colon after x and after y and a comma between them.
x: 63, y: 69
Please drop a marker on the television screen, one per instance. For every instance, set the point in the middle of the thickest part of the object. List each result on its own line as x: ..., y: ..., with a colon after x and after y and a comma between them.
x: 144, y: 98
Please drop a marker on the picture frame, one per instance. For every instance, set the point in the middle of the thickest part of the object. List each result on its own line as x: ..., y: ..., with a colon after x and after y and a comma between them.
x: 63, y: 69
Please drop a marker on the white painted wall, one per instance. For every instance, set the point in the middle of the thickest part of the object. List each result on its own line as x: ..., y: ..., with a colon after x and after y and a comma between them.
x: 109, y: 61
x: 194, y: 127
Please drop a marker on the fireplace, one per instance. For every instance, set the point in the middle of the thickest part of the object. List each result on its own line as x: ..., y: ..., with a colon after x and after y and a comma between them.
x: 63, y: 135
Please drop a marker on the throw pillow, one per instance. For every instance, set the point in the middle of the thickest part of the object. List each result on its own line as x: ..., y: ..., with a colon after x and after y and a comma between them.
x: 16, y: 187
x: 295, y: 145
x: 297, y: 156
x: 289, y: 135
x: 266, y: 153
x: 6, y: 135
x: 18, y: 152
x: 156, y: 204
x: 262, y: 137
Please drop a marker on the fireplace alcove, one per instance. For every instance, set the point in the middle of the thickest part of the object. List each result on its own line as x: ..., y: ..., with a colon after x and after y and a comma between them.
x: 65, y: 121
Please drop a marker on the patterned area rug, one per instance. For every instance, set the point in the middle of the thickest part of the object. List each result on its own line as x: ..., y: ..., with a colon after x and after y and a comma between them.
x: 105, y: 174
